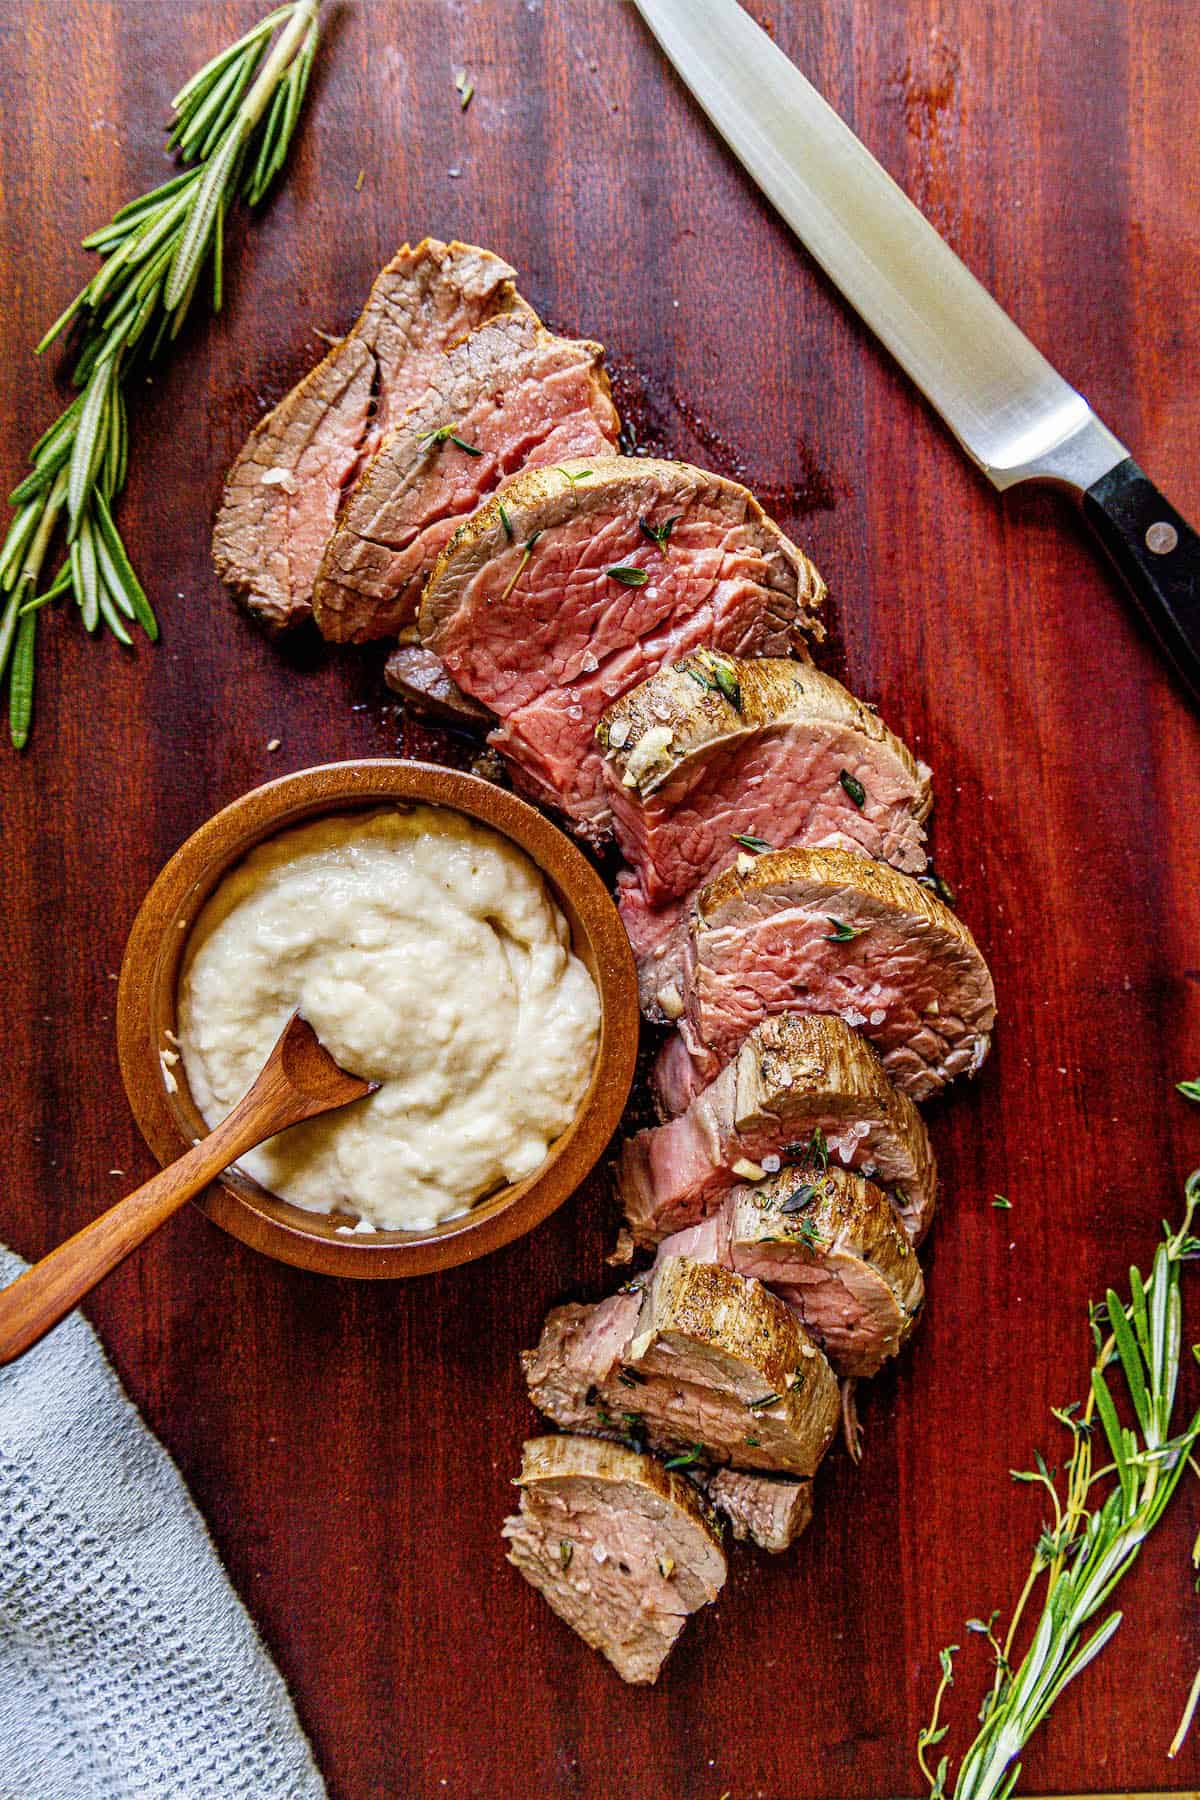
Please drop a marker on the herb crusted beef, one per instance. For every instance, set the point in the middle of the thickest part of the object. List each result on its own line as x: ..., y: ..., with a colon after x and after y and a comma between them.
x: 701, y: 1363
x: 622, y: 1549
x: 283, y: 492
x: 575, y: 583
x: 829, y: 932
x: 794, y: 1077
x: 509, y: 395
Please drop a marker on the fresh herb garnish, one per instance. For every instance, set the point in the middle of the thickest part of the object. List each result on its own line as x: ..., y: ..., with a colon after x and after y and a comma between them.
x: 505, y: 520
x: 1090, y: 1543
x: 233, y: 123
x: 764, y: 1400
x: 687, y: 1460
x: 1189, y: 1089
x: 726, y: 680
x: 579, y: 475
x: 842, y: 933
x: 799, y: 1199
x: 526, y: 553
x: 446, y: 434
x: 566, y: 1551
x: 1002, y: 1202
x: 820, y: 1147
x: 628, y: 575
x: 854, y: 788
x: 659, y: 534
x: 811, y: 1235
x: 758, y: 846
x: 938, y: 885
x: 753, y: 1442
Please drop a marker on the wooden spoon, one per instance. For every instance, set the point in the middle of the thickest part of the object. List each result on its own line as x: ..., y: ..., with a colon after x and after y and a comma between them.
x: 298, y: 1080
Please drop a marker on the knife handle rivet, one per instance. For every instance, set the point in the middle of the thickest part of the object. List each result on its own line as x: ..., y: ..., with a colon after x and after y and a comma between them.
x: 1161, y: 538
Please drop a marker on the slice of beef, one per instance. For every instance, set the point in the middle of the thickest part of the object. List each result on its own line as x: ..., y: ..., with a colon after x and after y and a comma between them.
x: 511, y: 395
x: 793, y: 1077
x: 424, y: 683
x: 622, y: 1549
x: 709, y: 1366
x: 282, y: 494
x: 827, y: 931
x: 526, y: 610
x: 771, y: 750
x: 767, y: 1510
x: 830, y: 1245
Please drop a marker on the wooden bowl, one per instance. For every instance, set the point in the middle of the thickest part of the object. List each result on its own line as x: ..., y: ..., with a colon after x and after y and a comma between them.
x: 146, y: 1011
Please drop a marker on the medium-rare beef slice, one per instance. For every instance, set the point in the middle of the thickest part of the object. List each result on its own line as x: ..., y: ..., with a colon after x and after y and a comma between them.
x: 830, y: 1245
x: 623, y: 1550
x: 707, y: 1364
x: 767, y: 749
x: 575, y: 583
x: 767, y: 1510
x: 827, y: 931
x: 794, y: 1077
x: 282, y: 494
x: 424, y: 683
x: 511, y: 395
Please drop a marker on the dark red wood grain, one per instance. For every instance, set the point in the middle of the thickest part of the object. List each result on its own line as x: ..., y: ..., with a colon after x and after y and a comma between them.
x: 351, y: 1445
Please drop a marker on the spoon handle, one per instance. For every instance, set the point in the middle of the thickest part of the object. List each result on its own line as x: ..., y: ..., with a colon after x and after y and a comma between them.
x: 44, y: 1294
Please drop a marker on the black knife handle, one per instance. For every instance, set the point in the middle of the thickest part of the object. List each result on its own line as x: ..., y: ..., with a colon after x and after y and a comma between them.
x: 1157, y: 555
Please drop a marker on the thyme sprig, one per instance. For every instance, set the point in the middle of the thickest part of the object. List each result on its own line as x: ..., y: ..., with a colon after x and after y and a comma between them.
x: 231, y: 127
x: 1090, y: 1543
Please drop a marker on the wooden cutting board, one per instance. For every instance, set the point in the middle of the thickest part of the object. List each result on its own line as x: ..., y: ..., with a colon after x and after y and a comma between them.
x: 351, y: 1445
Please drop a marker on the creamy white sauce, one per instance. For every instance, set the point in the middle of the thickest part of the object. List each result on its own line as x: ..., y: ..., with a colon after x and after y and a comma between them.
x: 427, y: 954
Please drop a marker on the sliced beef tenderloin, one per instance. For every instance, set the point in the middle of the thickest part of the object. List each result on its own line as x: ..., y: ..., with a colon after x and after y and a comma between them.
x: 767, y: 1510
x: 830, y: 1245
x: 575, y: 583
x: 511, y: 395
x: 713, y: 1368
x: 794, y: 1077
x: 768, y: 750
x: 282, y: 494
x: 827, y: 931
x: 424, y: 683
x: 623, y: 1550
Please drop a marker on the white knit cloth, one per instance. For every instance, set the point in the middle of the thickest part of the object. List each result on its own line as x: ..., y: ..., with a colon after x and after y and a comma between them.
x: 129, y: 1669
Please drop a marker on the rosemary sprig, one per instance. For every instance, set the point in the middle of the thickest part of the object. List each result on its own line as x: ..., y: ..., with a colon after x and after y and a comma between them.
x: 231, y: 127
x: 1090, y: 1543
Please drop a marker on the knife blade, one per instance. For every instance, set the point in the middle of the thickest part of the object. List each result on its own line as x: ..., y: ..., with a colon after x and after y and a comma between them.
x: 1011, y: 411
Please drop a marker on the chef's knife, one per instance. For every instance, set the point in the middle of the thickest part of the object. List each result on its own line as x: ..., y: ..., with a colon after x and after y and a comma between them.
x: 1009, y: 409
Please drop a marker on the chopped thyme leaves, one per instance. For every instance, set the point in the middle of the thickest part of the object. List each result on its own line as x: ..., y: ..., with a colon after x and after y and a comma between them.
x: 658, y: 534
x: 446, y: 434
x: 765, y: 1400
x: 566, y: 1551
x: 526, y: 553
x: 579, y: 475
x: 753, y: 1442
x: 748, y: 841
x: 1189, y: 1089
x: 854, y: 788
x: 797, y: 1202
x: 628, y: 575
x: 505, y: 520
x: 843, y: 933
x: 688, y: 1460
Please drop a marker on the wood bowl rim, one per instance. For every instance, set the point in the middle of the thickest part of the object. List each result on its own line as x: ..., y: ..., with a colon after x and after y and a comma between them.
x: 146, y: 1008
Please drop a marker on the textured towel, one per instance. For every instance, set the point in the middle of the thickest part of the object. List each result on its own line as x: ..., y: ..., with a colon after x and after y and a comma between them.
x: 129, y: 1669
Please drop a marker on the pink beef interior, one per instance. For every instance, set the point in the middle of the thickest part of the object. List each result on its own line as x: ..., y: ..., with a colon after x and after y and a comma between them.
x: 911, y: 989
x: 537, y: 401
x: 565, y: 616
x: 552, y: 738
x: 783, y: 785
